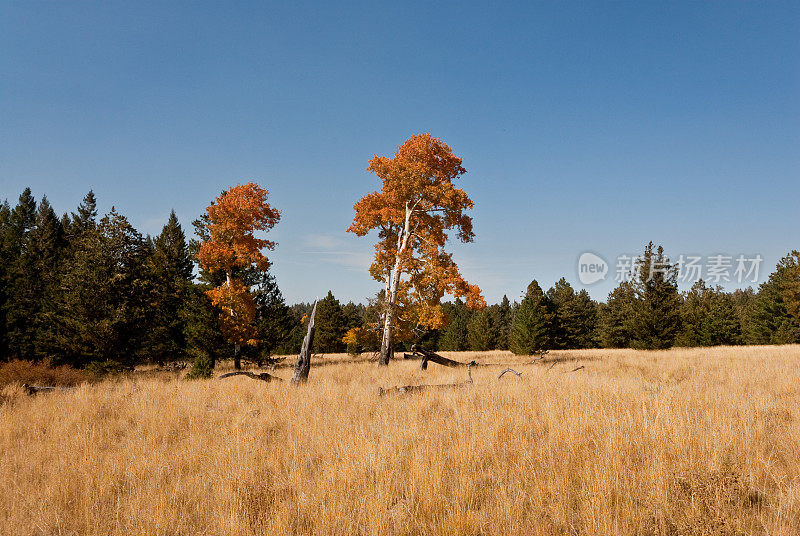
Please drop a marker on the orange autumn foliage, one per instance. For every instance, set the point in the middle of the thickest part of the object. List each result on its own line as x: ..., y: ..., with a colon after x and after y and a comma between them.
x: 235, y: 216
x: 237, y: 319
x: 418, y: 199
x: 362, y: 336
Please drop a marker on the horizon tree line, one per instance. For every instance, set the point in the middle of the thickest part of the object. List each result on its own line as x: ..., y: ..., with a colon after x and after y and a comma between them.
x: 92, y: 291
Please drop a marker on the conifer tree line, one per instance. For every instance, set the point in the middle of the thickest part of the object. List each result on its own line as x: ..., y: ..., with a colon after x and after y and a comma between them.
x: 89, y: 290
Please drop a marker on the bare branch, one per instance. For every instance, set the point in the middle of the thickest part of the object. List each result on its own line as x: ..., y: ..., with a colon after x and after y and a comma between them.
x: 541, y: 355
x: 519, y: 374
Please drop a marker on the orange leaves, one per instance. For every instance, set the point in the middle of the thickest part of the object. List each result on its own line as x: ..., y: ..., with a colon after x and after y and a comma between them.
x: 421, y: 174
x: 360, y: 336
x: 430, y: 316
x: 420, y: 163
x: 213, y: 254
x: 473, y: 297
x: 237, y: 319
x: 235, y: 216
x: 415, y: 208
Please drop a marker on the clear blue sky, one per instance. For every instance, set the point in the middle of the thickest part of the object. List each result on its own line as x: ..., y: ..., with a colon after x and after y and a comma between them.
x: 583, y: 126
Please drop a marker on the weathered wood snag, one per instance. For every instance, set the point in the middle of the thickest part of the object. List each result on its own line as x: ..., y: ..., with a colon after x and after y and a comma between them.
x: 264, y: 376
x: 303, y: 364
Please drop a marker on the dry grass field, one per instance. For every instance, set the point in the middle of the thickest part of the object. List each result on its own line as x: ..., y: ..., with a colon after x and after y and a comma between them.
x: 680, y: 442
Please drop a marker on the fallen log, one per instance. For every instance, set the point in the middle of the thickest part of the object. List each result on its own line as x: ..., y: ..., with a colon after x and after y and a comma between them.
x: 427, y: 355
x: 264, y: 376
x: 34, y: 389
x: 417, y: 388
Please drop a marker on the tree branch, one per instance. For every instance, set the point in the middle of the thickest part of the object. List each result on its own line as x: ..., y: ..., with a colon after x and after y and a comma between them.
x: 519, y: 374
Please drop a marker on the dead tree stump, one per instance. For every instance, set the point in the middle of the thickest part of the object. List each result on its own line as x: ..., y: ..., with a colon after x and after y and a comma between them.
x: 303, y: 364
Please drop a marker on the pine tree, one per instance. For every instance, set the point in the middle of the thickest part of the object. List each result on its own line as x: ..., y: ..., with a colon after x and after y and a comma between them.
x: 721, y: 326
x: 502, y: 316
x: 769, y: 321
x: 454, y: 336
x: 330, y: 324
x: 102, y: 311
x: 656, y: 314
x: 21, y: 284
x: 694, y: 311
x: 5, y: 216
x: 616, y: 317
x: 48, y: 247
x: 273, y: 321
x: 574, y: 316
x: 558, y: 296
x: 743, y: 303
x: 479, y: 331
x: 205, y: 341
x: 292, y: 343
x: 580, y: 319
x: 169, y: 268
x: 83, y: 220
x: 790, y: 284
x: 353, y: 314
x: 530, y: 330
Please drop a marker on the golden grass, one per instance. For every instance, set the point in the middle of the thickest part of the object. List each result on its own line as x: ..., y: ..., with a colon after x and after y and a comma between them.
x: 694, y: 441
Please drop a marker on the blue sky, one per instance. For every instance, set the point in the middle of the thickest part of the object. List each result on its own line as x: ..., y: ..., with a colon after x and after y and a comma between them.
x: 583, y: 126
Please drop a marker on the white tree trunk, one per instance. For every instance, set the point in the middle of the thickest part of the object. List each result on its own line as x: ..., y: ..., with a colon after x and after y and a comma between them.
x: 237, y: 362
x: 387, y: 342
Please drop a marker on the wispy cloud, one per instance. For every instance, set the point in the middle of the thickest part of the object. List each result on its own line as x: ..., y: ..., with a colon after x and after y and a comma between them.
x: 335, y: 250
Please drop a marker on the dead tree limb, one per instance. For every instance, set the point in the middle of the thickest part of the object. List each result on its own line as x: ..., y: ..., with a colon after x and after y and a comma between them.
x: 427, y: 355
x: 417, y: 388
x: 303, y: 364
x: 541, y: 355
x: 577, y: 368
x: 34, y: 389
x: 264, y: 376
x: 551, y: 366
x: 512, y: 371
